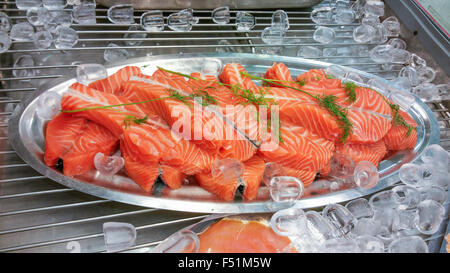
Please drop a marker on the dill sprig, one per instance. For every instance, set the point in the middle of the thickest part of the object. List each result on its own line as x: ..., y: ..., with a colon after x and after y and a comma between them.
x: 301, y: 82
x: 328, y: 102
x: 399, y: 120
x: 249, y: 96
x: 207, y: 99
x: 350, y: 91
x: 132, y: 119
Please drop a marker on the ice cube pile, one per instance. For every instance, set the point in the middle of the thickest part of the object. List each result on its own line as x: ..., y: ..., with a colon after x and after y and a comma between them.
x: 398, y: 220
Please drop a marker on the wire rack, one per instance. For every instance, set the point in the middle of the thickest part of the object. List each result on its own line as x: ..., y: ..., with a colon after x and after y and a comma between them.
x: 39, y: 215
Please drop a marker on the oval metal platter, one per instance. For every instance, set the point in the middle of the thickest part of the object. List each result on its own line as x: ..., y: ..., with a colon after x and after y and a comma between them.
x: 26, y: 135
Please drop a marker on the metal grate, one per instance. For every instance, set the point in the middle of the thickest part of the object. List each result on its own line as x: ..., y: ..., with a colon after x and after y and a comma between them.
x: 39, y: 215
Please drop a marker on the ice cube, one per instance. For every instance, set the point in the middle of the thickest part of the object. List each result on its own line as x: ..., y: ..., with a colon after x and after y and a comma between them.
x: 397, y: 43
x: 374, y: 7
x: 353, y: 77
x: 324, y: 35
x: 121, y: 14
x: 444, y: 91
x: 180, y: 21
x: 367, y: 226
x: 285, y: 189
x: 411, y: 74
x: 271, y: 170
x: 380, y: 36
x: 410, y: 244
x: 118, y: 236
x: 229, y: 168
x: 340, y: 245
x: 363, y: 33
x: 380, y: 86
x: 322, y: 15
x: 244, y: 21
x: 87, y: 73
x: 136, y: 33
x: 33, y: 16
x: 370, y: 20
x: 426, y: 91
x: 42, y: 39
x: 358, y: 7
x: 406, y: 219
x: 22, y: 62
x: 54, y: 4
x: 280, y: 20
x: 5, y: 22
x: 341, y: 166
x: 194, y: 20
x: 370, y: 244
x: 392, y: 26
x: 152, y: 21
x: 411, y: 174
x: 22, y: 32
x: 48, y: 105
x: 115, y: 54
x: 406, y: 196
x: 342, y: 219
x: 226, y: 46
x: 426, y: 74
x: 389, y: 221
x: 184, y: 241
x: 345, y: 16
x: 329, y: 51
x: 400, y: 56
x: 5, y: 41
x: 360, y: 208
x: 27, y: 4
x: 319, y: 227
x: 57, y: 18
x: 335, y: 71
x: 416, y: 61
x: 305, y: 243
x: 434, y: 193
x: 84, y: 13
x: 381, y: 53
x: 272, y: 36
x: 383, y: 200
x: 211, y: 67
x: 289, y: 221
x: 221, y: 15
x: 65, y: 38
x: 108, y: 165
x: 309, y: 52
x: 429, y: 216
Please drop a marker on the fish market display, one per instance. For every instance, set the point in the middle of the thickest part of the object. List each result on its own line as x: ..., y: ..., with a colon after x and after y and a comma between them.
x: 223, y: 131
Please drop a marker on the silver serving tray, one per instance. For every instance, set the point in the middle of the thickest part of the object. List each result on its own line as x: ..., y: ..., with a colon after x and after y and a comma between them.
x: 26, y: 135
x: 212, y: 4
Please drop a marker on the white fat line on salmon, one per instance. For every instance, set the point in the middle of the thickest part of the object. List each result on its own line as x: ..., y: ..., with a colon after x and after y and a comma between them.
x: 359, y: 109
x: 149, y: 81
x: 90, y: 99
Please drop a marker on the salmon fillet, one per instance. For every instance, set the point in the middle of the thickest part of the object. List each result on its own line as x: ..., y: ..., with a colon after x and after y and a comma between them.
x: 396, y: 139
x: 60, y: 134
x: 112, y: 83
x: 373, y: 152
x: 209, y: 128
x: 236, y: 236
x: 94, y: 139
x: 230, y: 188
x: 172, y: 177
x: 152, y: 140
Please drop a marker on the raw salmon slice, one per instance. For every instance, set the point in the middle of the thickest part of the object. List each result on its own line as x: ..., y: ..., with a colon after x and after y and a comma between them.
x: 60, y: 134
x: 230, y: 188
x: 307, y: 177
x: 172, y: 177
x: 152, y: 140
x: 143, y: 174
x: 370, y: 114
x: 112, y: 83
x: 299, y: 149
x: 205, y: 126
x: 373, y: 152
x: 231, y: 74
x: 240, y: 236
x: 396, y: 139
x: 94, y: 139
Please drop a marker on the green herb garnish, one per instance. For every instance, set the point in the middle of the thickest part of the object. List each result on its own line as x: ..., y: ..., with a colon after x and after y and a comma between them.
x: 350, y: 91
x: 399, y: 120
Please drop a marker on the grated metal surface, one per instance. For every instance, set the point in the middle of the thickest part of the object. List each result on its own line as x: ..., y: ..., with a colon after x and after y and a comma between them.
x: 39, y: 215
